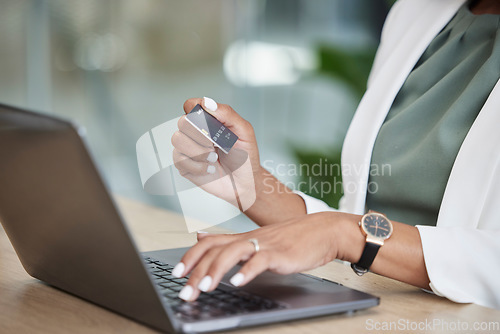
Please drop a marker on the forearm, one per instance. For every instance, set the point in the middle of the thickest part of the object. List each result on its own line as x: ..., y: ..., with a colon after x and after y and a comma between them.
x: 401, y: 257
x: 275, y: 202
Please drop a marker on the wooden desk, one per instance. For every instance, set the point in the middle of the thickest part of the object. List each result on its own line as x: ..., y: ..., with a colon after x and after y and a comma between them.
x: 29, y: 306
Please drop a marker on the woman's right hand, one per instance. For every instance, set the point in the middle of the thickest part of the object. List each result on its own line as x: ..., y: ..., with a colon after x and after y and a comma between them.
x: 227, y: 176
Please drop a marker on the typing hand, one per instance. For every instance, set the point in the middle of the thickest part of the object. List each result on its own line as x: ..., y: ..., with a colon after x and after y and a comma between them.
x: 284, y: 248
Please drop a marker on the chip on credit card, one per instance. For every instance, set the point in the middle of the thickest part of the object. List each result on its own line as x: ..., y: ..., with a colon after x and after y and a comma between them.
x: 211, y: 128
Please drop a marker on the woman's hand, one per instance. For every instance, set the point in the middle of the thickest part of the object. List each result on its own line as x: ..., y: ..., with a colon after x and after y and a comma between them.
x: 290, y: 247
x: 227, y: 176
x: 236, y: 177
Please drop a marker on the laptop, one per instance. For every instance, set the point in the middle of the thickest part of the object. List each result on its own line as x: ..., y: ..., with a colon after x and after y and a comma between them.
x: 67, y: 232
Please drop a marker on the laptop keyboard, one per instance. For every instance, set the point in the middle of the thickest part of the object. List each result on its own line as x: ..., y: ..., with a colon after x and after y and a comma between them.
x: 217, y: 303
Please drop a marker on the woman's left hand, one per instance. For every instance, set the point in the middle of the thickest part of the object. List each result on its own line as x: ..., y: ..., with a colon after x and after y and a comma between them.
x: 297, y: 245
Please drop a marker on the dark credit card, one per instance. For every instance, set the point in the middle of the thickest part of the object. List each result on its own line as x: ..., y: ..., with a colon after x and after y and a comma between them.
x: 211, y: 128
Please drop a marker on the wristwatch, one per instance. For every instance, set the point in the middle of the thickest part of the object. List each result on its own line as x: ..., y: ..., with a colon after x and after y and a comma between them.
x: 377, y: 228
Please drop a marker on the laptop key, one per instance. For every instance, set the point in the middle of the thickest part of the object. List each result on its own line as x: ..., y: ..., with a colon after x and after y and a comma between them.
x: 159, y: 280
x: 165, y: 267
x: 176, y: 288
x: 233, y: 300
x: 210, y: 302
x: 175, y: 302
x: 165, y: 275
x: 217, y: 292
x: 242, y: 294
x: 181, y: 280
x: 170, y: 295
x: 159, y: 274
x: 204, y: 297
x: 160, y: 263
x: 223, y: 297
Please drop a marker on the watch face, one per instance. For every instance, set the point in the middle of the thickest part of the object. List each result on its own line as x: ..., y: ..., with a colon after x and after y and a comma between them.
x: 377, y: 225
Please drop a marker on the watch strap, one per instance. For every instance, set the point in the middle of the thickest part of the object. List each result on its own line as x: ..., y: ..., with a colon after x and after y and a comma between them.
x: 366, y: 260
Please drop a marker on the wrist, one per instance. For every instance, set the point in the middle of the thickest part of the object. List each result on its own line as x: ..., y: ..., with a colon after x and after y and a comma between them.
x: 274, y: 201
x: 260, y: 185
x: 349, y: 239
x: 268, y: 188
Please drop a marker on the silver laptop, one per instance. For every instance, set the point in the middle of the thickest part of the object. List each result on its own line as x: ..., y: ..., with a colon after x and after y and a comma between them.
x: 67, y: 232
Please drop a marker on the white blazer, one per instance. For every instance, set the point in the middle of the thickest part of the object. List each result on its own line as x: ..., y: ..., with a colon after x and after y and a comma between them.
x: 462, y: 253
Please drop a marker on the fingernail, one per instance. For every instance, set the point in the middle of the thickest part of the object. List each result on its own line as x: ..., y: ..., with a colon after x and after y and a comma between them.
x: 205, y: 283
x: 211, y: 169
x: 237, y: 279
x: 212, y: 157
x: 178, y: 270
x: 186, y: 293
x: 210, y: 104
x: 200, y: 235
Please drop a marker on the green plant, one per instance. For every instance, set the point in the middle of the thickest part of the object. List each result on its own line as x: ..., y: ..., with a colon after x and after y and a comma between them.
x: 352, y: 68
x: 325, y: 185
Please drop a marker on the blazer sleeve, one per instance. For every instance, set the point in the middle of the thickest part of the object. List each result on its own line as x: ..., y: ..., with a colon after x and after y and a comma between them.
x: 463, y: 263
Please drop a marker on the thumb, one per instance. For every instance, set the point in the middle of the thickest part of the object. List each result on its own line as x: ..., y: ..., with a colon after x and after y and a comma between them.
x: 202, y: 234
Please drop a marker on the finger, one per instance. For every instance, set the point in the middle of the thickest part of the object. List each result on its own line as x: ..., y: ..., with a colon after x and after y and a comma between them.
x: 191, y: 291
x: 192, y: 132
x: 191, y: 103
x: 187, y: 146
x: 194, y: 254
x: 226, y: 259
x: 199, y: 272
x: 257, y: 264
x: 187, y: 165
x: 202, y: 234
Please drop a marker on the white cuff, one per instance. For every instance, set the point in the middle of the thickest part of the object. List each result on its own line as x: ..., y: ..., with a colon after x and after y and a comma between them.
x: 436, y: 292
x: 313, y: 205
x: 460, y: 263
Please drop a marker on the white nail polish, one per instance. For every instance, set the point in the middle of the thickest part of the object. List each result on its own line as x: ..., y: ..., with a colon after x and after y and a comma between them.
x: 202, y: 232
x: 212, y: 157
x: 237, y: 279
x: 210, y: 104
x: 186, y: 293
x: 205, y: 283
x: 179, y: 270
x: 211, y: 169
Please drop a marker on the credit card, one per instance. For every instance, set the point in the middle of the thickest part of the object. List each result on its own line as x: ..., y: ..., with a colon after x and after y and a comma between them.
x: 211, y: 128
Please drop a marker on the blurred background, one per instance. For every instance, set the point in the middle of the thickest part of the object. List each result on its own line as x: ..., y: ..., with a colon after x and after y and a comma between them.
x: 295, y: 69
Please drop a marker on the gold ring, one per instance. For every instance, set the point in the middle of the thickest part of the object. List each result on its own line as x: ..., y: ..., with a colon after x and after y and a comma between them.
x: 255, y: 244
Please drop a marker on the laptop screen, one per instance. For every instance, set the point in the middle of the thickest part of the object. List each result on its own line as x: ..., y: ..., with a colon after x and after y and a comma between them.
x: 63, y: 223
